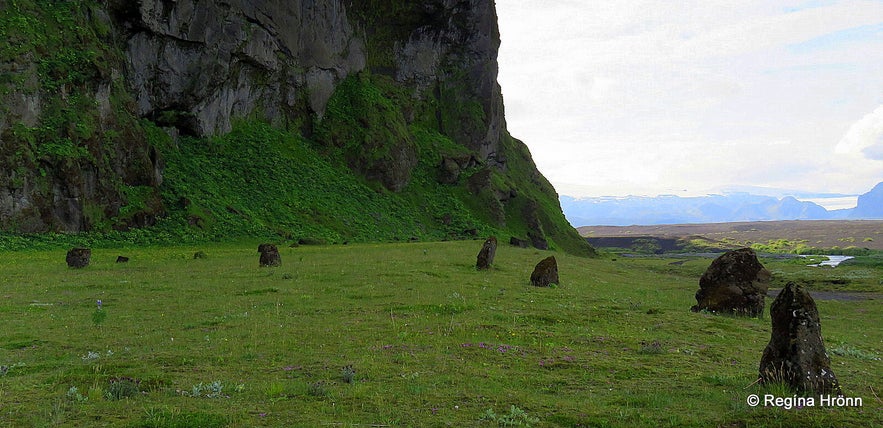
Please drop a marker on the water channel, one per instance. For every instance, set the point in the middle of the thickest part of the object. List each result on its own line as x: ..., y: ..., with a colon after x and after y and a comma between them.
x: 832, y: 261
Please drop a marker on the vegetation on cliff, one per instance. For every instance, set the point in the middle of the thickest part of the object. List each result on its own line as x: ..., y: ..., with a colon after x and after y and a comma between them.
x: 399, y: 150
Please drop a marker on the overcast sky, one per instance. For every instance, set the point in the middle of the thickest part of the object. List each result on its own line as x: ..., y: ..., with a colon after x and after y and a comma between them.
x: 630, y: 97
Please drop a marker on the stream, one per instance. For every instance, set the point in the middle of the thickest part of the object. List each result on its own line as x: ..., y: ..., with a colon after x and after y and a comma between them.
x: 832, y: 261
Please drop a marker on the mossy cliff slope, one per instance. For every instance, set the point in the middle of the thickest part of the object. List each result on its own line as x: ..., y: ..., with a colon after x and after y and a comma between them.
x: 342, y: 120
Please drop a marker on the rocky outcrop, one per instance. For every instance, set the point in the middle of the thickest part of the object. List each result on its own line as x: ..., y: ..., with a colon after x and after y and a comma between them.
x: 796, y: 353
x: 72, y: 157
x: 451, y: 168
x: 535, y: 232
x: 735, y: 283
x: 200, y: 65
x: 518, y: 242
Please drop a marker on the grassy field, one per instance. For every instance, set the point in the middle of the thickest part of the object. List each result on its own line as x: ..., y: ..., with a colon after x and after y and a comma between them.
x: 399, y: 335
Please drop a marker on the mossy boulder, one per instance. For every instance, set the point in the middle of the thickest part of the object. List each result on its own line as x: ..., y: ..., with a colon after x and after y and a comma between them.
x: 735, y: 283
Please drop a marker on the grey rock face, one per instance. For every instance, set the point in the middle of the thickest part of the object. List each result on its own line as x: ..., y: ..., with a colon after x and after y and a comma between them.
x: 208, y: 62
x: 735, y: 283
x: 194, y: 67
x: 454, y: 52
x: 796, y: 353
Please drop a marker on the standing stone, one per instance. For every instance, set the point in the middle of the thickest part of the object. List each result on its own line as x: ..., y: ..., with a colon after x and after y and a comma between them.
x: 78, y: 257
x: 545, y: 273
x: 269, y: 255
x: 735, y: 283
x: 796, y: 353
x: 486, y: 255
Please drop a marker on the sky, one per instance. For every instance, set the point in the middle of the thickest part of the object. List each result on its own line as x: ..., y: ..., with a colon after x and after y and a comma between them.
x: 691, y: 97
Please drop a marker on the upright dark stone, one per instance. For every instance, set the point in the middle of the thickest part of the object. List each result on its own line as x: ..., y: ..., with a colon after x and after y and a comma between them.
x: 796, y: 353
x: 545, y: 273
x: 735, y: 283
x: 486, y: 255
x: 269, y: 255
x: 78, y: 257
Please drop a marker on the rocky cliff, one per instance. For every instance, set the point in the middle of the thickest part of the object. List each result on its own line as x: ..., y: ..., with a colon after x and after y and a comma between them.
x: 100, y: 98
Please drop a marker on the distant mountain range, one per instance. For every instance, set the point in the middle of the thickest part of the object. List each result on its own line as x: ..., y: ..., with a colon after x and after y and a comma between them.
x: 668, y: 209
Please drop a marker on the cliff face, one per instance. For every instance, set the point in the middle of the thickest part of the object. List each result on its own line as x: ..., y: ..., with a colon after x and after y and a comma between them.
x: 199, y: 65
x: 72, y: 156
x: 85, y: 82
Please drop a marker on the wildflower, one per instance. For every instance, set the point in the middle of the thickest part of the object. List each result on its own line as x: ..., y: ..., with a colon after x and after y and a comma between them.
x: 99, y: 304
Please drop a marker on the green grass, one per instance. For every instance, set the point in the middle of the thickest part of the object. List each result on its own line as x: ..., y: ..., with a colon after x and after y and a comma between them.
x: 392, y: 334
x: 862, y: 274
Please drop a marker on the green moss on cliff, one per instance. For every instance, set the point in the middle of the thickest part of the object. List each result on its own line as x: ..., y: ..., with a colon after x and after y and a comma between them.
x: 368, y: 170
x: 260, y: 181
x: 57, y: 55
x: 369, y: 131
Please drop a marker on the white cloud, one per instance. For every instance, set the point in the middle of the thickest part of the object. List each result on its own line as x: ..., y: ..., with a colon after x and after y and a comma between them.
x: 864, y: 137
x: 628, y: 96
